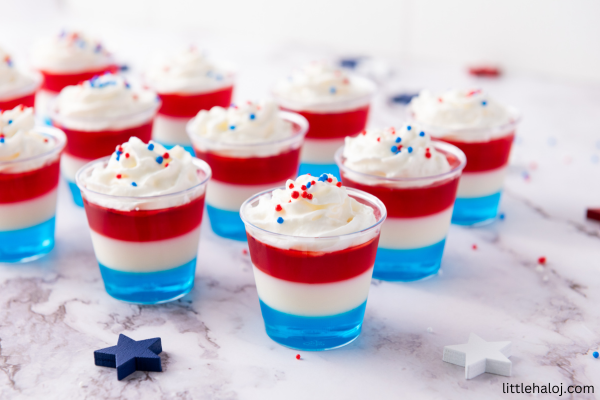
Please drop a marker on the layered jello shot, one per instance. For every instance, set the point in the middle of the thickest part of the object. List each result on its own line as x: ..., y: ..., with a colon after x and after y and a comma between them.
x: 144, y: 206
x: 67, y: 59
x: 16, y: 87
x: 417, y: 179
x: 313, y: 244
x: 335, y: 104
x: 98, y: 115
x: 250, y: 147
x: 29, y: 170
x: 484, y: 130
x: 187, y: 83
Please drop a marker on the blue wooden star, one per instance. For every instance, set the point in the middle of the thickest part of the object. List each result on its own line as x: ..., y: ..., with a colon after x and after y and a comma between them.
x: 129, y: 356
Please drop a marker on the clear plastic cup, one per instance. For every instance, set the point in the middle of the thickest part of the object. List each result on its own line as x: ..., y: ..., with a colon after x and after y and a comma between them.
x: 419, y: 212
x: 329, y: 123
x: 146, y: 247
x: 313, y: 291
x: 28, y: 190
x: 241, y: 170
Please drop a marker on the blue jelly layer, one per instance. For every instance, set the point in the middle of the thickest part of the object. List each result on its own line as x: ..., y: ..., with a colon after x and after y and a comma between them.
x: 318, y: 169
x: 27, y: 244
x: 227, y: 224
x: 476, y: 210
x: 313, y: 333
x: 149, y: 287
x: 76, y: 193
x: 408, y: 265
x: 186, y: 147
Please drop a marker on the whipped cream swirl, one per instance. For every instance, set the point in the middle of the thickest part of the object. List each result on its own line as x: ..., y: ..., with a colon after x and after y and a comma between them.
x: 104, y: 102
x: 70, y: 52
x: 405, y: 152
x: 320, y: 83
x: 189, y: 71
x: 455, y: 112
x: 18, y: 139
x: 12, y: 81
x: 311, y: 207
x: 244, y: 123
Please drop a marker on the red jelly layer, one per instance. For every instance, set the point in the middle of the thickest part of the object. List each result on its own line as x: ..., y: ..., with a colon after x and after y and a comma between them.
x: 484, y: 156
x: 29, y: 184
x: 311, y: 266
x: 145, y: 225
x: 188, y: 105
x: 96, y: 144
x: 334, y: 125
x: 27, y: 101
x: 56, y: 81
x: 253, y: 170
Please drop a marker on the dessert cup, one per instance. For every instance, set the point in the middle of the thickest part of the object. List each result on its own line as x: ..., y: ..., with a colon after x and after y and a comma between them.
x: 241, y: 170
x: 313, y: 290
x: 23, y: 96
x: 146, y: 247
x: 93, y: 138
x: 28, y: 189
x: 419, y: 212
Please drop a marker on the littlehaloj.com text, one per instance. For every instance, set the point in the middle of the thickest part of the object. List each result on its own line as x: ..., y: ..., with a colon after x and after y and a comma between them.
x: 547, y: 388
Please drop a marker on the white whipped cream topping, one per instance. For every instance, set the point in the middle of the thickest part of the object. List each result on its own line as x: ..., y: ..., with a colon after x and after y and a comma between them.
x: 189, y: 71
x: 320, y: 85
x: 18, y: 139
x: 460, y: 110
x: 244, y: 123
x: 105, y: 101
x: 405, y: 152
x: 138, y: 169
x: 327, y: 210
x: 70, y: 52
x: 12, y: 81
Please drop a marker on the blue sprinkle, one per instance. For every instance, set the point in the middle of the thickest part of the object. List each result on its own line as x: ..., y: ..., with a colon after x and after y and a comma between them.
x: 10, y: 121
x: 595, y: 354
x: 118, y: 156
x: 232, y: 127
x: 219, y: 77
x: 280, y: 220
x: 308, y: 185
x: 98, y: 48
x: 159, y: 159
x: 551, y: 141
x: 484, y: 103
x: 252, y: 116
x: 421, y: 133
x: 595, y: 159
x: 209, y: 73
x: 1, y: 140
x: 394, y: 149
x: 127, y: 85
x: 332, y: 90
x: 398, y: 139
x: 133, y: 184
x: 502, y: 216
x: 9, y: 62
x: 151, y: 146
x: 232, y: 105
x: 408, y: 127
x: 409, y: 149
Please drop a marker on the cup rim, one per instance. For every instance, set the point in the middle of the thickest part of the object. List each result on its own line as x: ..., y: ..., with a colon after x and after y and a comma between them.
x: 292, y: 117
x: 437, y: 144
x: 351, y: 191
x: 81, y: 185
x: 51, y: 131
x: 24, y: 90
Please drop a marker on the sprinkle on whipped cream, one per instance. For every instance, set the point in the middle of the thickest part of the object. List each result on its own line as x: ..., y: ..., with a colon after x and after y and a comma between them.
x: 405, y: 152
x: 140, y: 170
x: 70, y: 52
x: 11, y: 79
x: 18, y: 139
x: 188, y: 71
x: 311, y: 207
x: 250, y: 122
x: 459, y: 110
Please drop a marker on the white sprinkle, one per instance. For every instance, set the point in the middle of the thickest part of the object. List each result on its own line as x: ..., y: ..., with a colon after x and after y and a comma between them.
x: 83, y: 385
x: 430, y: 330
x: 440, y: 272
x: 539, y: 268
x: 545, y: 278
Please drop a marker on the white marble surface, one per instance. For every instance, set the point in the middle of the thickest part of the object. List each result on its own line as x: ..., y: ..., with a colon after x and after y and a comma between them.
x: 54, y: 312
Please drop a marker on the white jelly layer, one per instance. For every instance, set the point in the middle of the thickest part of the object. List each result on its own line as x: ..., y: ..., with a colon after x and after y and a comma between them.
x: 171, y: 130
x: 152, y: 256
x: 229, y: 197
x: 69, y: 165
x: 313, y: 300
x: 320, y: 151
x: 479, y: 184
x: 28, y: 213
x: 414, y: 233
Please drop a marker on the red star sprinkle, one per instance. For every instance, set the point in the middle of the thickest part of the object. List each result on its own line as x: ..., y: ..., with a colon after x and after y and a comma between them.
x: 166, y: 155
x: 278, y: 208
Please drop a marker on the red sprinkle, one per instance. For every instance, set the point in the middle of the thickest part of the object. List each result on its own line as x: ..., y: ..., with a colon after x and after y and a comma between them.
x: 378, y: 139
x: 244, y: 251
x: 474, y: 247
x: 303, y: 187
x: 166, y: 165
x: 297, y: 356
x: 120, y: 149
x: 312, y: 182
x: 118, y: 176
x: 45, y: 140
x: 304, y: 194
x: 295, y: 194
x: 440, y: 100
x: 329, y: 180
x: 309, y: 174
x: 542, y: 260
x: 364, y: 132
x: 278, y: 208
x: 428, y: 155
x: 166, y: 155
x: 309, y: 196
x: 291, y: 186
x: 339, y: 184
x: 126, y: 155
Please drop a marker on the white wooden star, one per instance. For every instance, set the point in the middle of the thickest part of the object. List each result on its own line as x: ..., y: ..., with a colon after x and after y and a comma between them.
x: 479, y: 356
